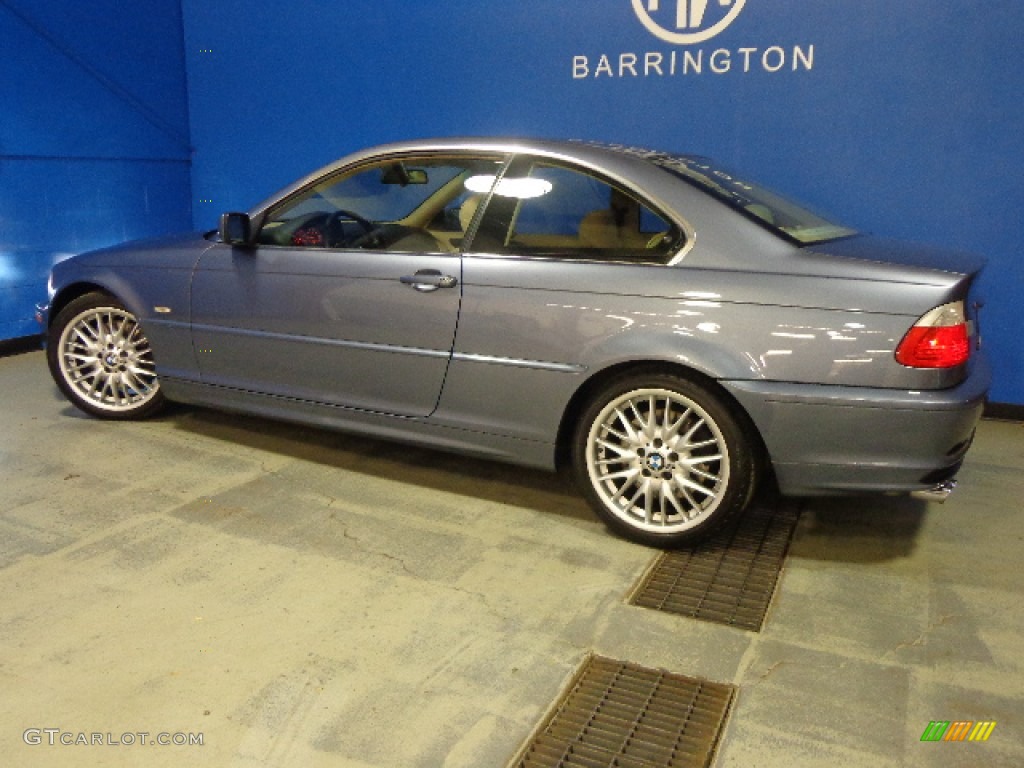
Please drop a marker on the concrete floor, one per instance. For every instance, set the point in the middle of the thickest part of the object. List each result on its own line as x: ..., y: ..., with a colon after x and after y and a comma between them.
x: 302, y: 598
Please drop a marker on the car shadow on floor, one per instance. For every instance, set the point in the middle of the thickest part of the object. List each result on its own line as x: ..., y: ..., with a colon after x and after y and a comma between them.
x: 476, y: 478
x: 856, y: 529
x: 859, y: 529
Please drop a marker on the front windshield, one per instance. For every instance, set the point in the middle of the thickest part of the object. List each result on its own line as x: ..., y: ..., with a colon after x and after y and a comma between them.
x: 770, y: 209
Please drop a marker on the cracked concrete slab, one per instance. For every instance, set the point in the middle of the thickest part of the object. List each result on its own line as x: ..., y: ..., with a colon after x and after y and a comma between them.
x: 307, y: 598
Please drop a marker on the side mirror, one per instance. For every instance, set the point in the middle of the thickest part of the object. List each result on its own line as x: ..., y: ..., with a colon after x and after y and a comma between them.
x: 236, y: 229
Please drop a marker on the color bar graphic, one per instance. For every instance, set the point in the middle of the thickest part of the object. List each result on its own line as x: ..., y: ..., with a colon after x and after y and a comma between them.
x: 958, y: 730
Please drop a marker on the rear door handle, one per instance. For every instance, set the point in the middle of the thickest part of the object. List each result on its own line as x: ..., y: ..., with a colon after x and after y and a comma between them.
x: 426, y: 280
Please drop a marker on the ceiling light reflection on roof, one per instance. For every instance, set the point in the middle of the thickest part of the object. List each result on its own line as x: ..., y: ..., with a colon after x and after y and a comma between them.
x: 521, y: 189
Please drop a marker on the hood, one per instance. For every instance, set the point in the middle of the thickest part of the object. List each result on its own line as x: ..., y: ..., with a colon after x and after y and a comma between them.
x: 170, y: 251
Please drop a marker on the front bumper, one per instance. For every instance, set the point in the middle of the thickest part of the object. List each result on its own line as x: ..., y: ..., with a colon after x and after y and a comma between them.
x: 825, y: 439
x: 43, y: 318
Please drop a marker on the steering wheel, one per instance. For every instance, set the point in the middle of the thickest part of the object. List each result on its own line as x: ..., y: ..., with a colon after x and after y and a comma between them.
x: 335, y: 219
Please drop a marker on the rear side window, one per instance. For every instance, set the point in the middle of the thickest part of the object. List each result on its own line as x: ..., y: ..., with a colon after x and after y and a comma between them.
x: 548, y: 210
x: 771, y: 210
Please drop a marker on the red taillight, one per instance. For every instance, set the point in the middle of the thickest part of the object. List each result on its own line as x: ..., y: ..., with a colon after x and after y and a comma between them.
x: 938, y: 340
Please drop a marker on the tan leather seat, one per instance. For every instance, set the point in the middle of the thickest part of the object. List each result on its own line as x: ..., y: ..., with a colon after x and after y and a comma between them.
x: 617, y: 226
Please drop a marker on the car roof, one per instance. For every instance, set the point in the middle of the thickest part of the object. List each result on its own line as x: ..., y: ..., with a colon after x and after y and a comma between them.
x: 570, y: 148
x: 626, y: 164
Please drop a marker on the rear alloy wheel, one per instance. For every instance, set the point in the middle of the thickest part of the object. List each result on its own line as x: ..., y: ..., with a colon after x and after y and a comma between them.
x: 662, y: 460
x: 102, y: 360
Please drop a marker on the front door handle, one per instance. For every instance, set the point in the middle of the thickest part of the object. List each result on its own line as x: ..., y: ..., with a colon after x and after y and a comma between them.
x: 427, y: 280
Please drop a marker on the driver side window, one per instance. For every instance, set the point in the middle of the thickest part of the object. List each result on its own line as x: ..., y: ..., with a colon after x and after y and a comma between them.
x: 406, y: 204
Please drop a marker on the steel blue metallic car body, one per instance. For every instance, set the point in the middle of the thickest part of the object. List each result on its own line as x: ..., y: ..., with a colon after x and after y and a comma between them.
x: 516, y: 347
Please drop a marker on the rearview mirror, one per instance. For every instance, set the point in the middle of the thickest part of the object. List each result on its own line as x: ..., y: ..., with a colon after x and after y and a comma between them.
x: 397, y: 173
x: 235, y: 229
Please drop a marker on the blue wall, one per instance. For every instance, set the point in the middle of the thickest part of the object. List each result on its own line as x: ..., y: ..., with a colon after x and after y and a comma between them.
x: 905, y: 119
x: 94, y: 145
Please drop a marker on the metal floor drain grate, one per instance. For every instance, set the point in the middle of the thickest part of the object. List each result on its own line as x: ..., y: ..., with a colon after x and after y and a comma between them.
x: 621, y: 715
x: 729, y: 579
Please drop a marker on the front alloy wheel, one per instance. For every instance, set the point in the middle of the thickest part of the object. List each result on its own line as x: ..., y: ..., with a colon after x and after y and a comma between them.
x: 662, y: 460
x: 102, y: 360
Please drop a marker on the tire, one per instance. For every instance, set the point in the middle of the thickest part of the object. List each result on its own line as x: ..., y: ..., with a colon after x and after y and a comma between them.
x: 102, y: 361
x: 662, y: 460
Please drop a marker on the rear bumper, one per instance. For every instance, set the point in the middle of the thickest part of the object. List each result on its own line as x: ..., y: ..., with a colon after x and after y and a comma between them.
x: 825, y: 440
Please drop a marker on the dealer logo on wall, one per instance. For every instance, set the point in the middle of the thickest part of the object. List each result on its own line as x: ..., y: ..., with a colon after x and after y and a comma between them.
x: 685, y: 25
x: 686, y: 22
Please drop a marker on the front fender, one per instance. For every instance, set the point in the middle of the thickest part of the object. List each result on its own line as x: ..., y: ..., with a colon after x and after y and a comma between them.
x: 157, y: 296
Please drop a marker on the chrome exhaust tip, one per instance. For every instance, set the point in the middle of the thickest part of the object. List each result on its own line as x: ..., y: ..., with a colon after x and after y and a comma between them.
x: 938, y: 493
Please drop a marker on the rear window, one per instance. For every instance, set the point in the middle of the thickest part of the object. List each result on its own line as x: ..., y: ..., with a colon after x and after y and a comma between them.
x: 786, y: 218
